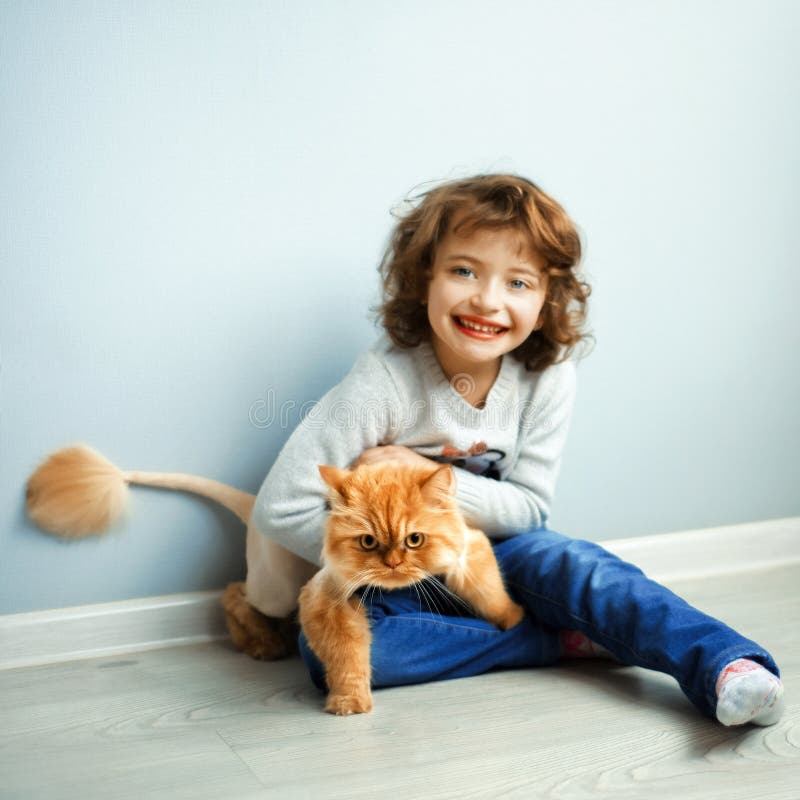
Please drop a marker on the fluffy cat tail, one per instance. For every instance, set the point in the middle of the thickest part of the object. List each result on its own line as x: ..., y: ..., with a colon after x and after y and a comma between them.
x: 77, y: 492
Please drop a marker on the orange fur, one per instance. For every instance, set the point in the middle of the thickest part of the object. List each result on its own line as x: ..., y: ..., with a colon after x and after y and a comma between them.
x: 391, y: 505
x: 76, y: 492
x: 261, y: 637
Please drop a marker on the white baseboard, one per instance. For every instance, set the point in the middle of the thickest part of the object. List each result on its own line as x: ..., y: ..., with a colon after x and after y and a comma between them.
x: 104, y: 629
x: 704, y: 553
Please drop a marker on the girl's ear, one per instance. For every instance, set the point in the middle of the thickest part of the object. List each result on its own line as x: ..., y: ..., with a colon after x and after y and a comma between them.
x: 334, y: 477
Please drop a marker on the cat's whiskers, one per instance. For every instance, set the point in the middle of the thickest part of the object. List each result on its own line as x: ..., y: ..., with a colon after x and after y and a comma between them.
x: 420, y: 598
x: 449, y: 593
x: 417, y: 587
x: 368, y: 594
x: 430, y: 600
x: 359, y: 579
x: 347, y: 589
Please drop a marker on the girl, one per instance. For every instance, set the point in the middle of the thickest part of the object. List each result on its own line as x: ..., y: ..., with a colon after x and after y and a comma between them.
x: 482, y: 309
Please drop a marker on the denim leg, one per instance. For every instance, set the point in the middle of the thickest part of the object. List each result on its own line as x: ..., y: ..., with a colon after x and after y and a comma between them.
x: 412, y: 645
x: 576, y: 585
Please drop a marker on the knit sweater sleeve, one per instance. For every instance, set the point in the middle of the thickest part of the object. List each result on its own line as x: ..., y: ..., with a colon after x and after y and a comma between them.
x: 357, y: 413
x: 522, y: 500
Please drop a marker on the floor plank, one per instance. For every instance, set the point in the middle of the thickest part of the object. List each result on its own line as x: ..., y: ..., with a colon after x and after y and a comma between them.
x: 204, y: 721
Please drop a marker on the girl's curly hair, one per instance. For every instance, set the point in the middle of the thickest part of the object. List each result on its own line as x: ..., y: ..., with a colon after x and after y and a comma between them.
x: 487, y: 201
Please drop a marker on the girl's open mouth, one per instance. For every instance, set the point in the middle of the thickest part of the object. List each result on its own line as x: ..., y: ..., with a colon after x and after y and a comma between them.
x: 476, y: 330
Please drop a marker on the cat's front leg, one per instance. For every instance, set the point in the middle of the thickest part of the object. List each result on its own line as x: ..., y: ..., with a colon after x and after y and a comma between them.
x: 477, y: 580
x: 338, y: 632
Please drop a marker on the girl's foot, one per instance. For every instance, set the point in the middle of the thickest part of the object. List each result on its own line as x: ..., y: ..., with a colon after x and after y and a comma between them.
x: 746, y: 692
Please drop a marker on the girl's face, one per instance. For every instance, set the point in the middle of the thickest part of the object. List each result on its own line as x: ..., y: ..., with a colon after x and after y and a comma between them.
x: 484, y: 299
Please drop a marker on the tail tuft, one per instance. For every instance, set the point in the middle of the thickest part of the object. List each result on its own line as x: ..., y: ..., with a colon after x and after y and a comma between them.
x: 76, y: 492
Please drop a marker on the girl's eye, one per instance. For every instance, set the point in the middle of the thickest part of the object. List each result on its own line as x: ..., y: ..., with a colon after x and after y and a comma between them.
x: 414, y: 540
x: 518, y: 284
x: 464, y: 272
x: 367, y: 542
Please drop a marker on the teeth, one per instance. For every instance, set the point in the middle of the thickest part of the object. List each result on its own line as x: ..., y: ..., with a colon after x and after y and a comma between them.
x: 485, y: 328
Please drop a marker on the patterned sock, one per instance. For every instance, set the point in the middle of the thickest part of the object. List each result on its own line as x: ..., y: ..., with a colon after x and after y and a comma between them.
x: 746, y: 692
x: 575, y: 644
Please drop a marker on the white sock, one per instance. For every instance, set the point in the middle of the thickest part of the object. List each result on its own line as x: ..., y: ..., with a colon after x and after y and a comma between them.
x: 746, y: 692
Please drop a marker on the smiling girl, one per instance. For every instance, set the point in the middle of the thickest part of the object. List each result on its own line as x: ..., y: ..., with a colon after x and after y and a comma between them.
x: 483, y: 309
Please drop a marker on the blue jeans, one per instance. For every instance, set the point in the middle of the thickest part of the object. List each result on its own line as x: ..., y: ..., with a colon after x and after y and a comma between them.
x: 564, y: 584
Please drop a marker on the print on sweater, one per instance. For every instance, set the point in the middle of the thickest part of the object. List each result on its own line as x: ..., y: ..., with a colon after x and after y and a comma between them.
x: 478, y: 459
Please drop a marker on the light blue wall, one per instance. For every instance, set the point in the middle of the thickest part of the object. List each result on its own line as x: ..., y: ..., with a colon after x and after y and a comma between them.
x: 195, y: 197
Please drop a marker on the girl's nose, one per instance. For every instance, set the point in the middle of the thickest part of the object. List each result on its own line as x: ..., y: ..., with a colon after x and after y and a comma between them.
x: 487, y: 298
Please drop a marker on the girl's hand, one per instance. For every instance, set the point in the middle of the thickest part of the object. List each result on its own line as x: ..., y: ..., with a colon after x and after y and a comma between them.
x: 394, y: 453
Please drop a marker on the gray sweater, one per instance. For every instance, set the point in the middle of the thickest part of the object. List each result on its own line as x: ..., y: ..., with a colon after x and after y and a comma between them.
x: 506, y: 454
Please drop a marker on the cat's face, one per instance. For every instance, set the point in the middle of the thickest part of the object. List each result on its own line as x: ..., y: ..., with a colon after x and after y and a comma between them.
x: 392, y: 525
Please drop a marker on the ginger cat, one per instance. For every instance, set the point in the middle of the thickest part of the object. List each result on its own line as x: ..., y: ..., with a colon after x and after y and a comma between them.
x: 390, y: 527
x: 77, y: 492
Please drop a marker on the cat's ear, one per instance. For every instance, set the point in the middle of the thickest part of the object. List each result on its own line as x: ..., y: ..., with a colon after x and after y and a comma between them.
x: 333, y: 476
x: 439, y: 487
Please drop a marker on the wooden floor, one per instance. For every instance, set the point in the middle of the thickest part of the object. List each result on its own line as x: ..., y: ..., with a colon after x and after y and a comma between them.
x: 206, y: 722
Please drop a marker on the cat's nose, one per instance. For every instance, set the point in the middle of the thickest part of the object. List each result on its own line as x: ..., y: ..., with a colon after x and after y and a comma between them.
x: 391, y: 561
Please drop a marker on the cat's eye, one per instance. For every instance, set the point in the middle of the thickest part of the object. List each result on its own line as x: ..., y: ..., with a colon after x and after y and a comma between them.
x: 414, y: 540
x: 367, y: 542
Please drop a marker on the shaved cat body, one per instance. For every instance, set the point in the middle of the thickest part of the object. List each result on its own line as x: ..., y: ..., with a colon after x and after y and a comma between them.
x: 391, y: 526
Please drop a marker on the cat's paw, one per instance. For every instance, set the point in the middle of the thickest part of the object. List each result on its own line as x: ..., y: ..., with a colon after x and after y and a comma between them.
x: 344, y: 704
x: 261, y: 637
x: 510, y: 617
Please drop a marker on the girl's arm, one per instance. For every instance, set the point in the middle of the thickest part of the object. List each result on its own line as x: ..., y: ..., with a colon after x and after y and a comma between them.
x: 357, y: 414
x: 522, y: 500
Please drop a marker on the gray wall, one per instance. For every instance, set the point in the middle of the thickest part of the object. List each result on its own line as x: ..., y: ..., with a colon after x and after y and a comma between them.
x: 195, y: 197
